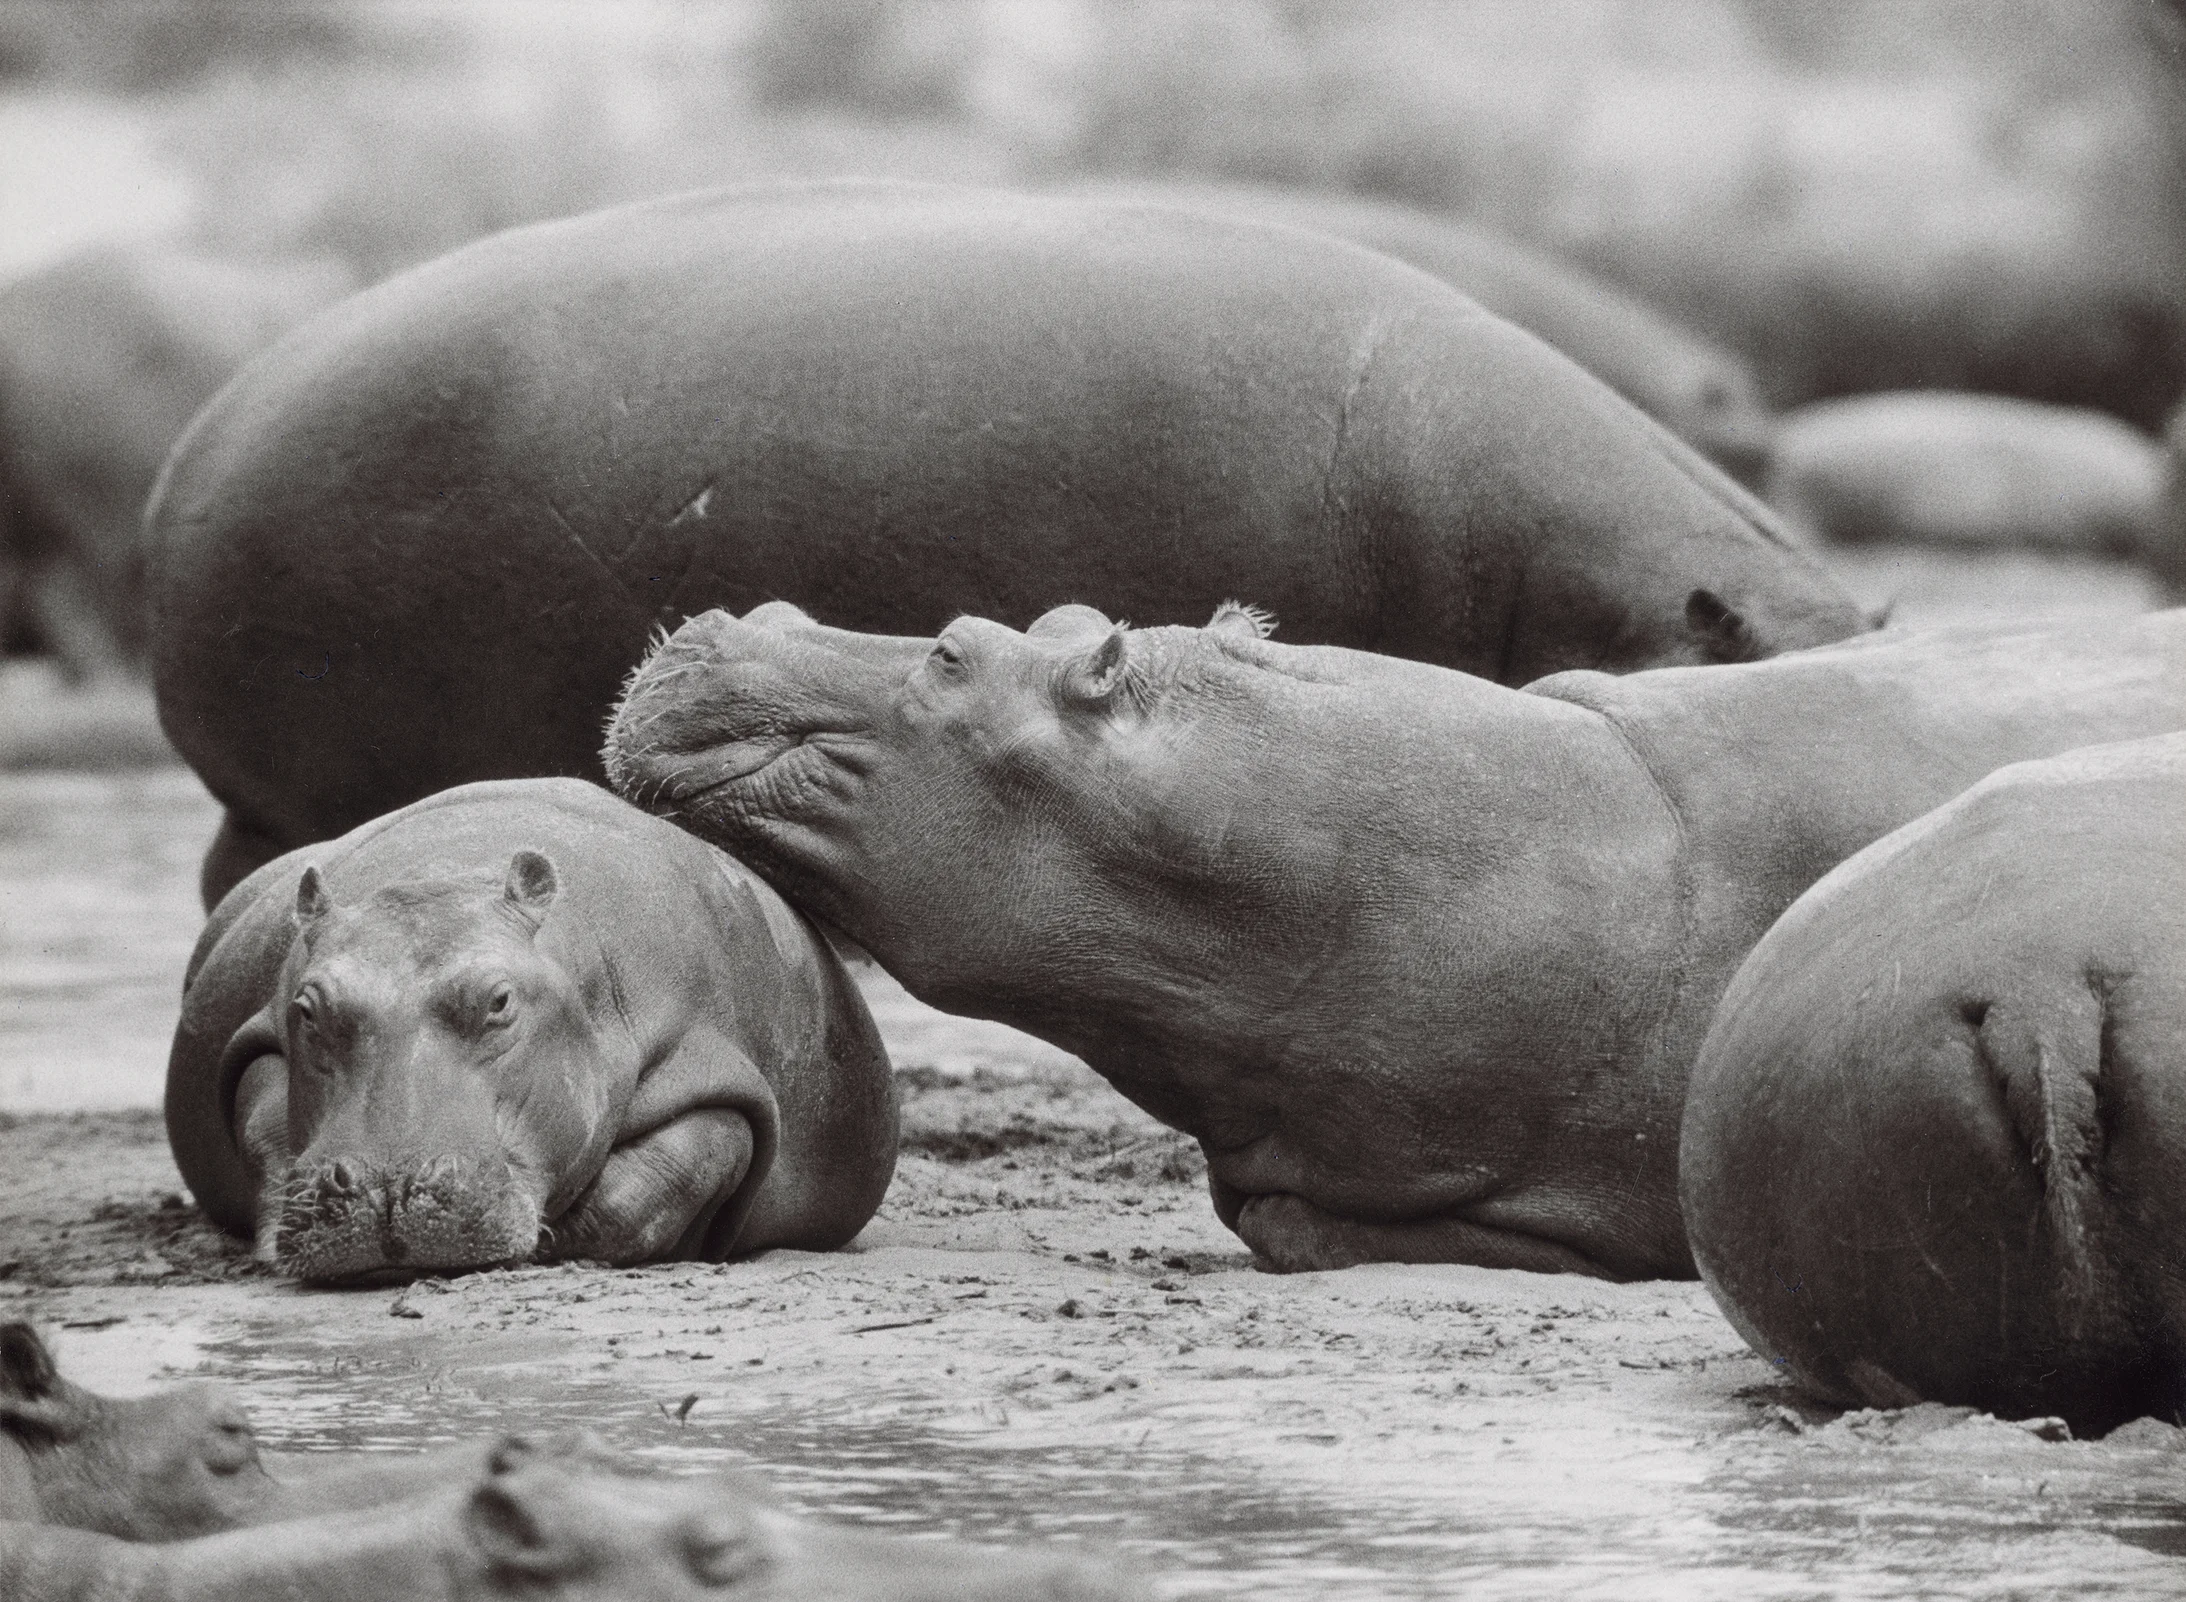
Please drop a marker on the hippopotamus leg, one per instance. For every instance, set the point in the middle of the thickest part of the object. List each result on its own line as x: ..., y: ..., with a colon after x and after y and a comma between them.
x: 1289, y: 1235
x: 662, y: 1189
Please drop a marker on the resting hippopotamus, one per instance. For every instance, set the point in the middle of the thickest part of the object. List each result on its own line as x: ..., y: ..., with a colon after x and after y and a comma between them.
x: 1694, y: 387
x: 155, y: 1468
x: 424, y: 541
x: 1421, y: 961
x: 522, y: 1017
x: 104, y: 358
x: 1946, y: 468
x: 1934, y: 1140
x: 536, y: 1525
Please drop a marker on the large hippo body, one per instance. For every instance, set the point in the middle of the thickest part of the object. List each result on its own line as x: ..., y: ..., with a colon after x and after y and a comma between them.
x: 424, y: 543
x: 547, y: 1526
x: 1700, y: 391
x: 1936, y: 1137
x: 104, y: 358
x: 1421, y: 961
x: 520, y: 1016
x: 1985, y: 471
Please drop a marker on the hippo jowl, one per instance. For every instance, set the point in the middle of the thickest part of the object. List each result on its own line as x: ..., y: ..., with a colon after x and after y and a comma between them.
x: 518, y: 1017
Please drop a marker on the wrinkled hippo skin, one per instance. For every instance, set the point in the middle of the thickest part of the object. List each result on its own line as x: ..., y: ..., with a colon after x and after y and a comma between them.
x: 1701, y: 392
x: 536, y: 1525
x: 1935, y: 1138
x: 425, y: 541
x: 104, y: 357
x: 520, y: 1018
x: 1984, y: 471
x: 1421, y: 961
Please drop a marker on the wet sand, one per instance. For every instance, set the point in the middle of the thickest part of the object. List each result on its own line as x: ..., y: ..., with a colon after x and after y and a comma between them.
x: 1045, y: 1333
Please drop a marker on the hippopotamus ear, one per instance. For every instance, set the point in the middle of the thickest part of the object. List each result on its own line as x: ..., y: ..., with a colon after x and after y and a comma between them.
x: 313, y: 900
x: 1094, y: 678
x: 532, y: 885
x: 1724, y: 634
x: 26, y: 1367
x: 1241, y: 621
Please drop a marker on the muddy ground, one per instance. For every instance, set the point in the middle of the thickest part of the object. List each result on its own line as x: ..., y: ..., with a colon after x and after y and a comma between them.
x: 1045, y: 1334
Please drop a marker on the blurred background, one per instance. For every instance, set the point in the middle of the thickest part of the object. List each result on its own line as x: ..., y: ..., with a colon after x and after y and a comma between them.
x: 1862, y: 195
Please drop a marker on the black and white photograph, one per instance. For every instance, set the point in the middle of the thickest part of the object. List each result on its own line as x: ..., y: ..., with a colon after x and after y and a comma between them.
x: 1092, y: 800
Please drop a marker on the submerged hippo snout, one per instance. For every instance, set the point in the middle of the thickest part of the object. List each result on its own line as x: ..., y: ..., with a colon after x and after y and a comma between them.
x: 346, y: 1216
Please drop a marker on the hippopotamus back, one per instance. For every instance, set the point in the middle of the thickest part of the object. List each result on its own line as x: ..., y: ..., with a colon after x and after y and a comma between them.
x: 423, y: 544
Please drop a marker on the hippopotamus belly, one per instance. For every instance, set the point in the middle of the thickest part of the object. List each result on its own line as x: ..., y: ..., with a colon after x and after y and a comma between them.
x: 424, y: 541
x: 515, y: 1019
x: 1934, y: 1141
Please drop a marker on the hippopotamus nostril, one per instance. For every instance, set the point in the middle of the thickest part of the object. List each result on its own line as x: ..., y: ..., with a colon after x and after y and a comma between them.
x: 345, y: 1176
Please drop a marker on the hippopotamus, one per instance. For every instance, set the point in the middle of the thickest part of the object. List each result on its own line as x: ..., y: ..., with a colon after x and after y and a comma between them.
x: 423, y: 541
x: 1941, y: 467
x: 1705, y: 394
x: 1933, y: 1142
x: 104, y: 358
x: 179, y: 1462
x: 533, y: 1523
x: 1420, y: 960
x: 522, y: 1018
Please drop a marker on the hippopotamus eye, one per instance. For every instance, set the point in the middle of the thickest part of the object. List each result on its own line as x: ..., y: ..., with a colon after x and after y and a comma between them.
x: 501, y: 1005
x: 948, y: 653
x: 306, y: 1007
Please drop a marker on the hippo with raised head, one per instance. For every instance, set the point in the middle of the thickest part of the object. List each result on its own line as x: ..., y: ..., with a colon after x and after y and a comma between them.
x: 533, y: 1524
x: 1987, y: 471
x: 520, y: 1018
x: 1421, y: 961
x: 1935, y: 1138
x: 425, y: 540
x: 1705, y: 394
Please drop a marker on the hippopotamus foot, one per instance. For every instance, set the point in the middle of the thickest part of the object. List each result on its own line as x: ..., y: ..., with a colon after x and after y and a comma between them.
x: 659, y: 1194
x: 1289, y: 1235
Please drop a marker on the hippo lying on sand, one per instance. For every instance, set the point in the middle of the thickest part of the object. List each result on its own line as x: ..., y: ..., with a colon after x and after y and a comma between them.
x: 1935, y: 1140
x: 1695, y: 388
x: 179, y: 1462
x: 1419, y: 960
x: 518, y: 1017
x: 1979, y: 470
x: 535, y: 1526
x: 425, y: 540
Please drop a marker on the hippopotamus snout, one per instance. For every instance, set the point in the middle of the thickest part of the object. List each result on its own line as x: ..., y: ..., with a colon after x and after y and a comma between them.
x: 348, y: 1216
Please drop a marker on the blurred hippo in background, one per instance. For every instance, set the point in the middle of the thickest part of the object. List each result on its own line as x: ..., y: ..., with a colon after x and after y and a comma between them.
x: 178, y: 1462
x: 1703, y: 393
x: 539, y: 1523
x: 1971, y: 470
x: 522, y: 1018
x: 1421, y: 961
x: 1936, y: 1137
x: 425, y: 541
x: 104, y: 358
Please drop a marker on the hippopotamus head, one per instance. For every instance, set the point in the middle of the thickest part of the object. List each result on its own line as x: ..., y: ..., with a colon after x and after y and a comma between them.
x: 435, y: 1049
x: 879, y: 780
x: 551, y: 1527
x: 163, y: 1467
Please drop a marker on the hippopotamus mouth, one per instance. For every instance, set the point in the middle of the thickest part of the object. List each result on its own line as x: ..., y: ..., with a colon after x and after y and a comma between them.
x: 343, y: 1221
